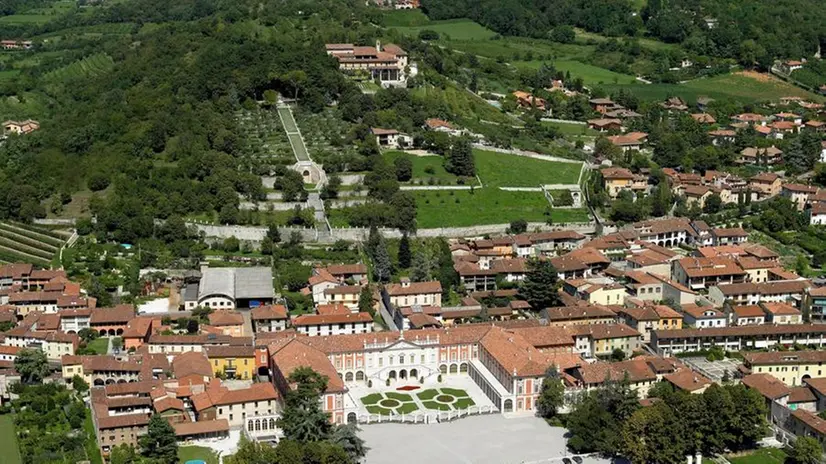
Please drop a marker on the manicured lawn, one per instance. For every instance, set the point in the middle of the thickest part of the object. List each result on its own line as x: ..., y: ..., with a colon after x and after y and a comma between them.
x: 189, y: 453
x: 8, y: 440
x: 455, y: 392
x: 590, y: 74
x: 464, y: 403
x: 733, y: 86
x: 372, y: 399
x: 428, y: 394
x: 458, y: 29
x: 404, y: 397
x: 436, y: 406
x: 486, y: 206
x: 761, y: 456
x: 422, y: 164
x: 100, y: 345
x: 379, y: 410
x: 503, y: 170
x: 407, y: 408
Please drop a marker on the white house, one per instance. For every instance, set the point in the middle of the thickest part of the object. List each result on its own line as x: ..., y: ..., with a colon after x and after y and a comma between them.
x: 333, y: 324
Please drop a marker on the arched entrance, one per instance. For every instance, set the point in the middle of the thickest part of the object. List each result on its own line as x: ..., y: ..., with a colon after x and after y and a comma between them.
x: 348, y: 377
x: 402, y: 374
x: 120, y: 332
x: 110, y: 381
x: 98, y: 382
x: 443, y: 369
x: 263, y: 370
x: 121, y: 380
x: 414, y: 373
x: 351, y: 418
x: 508, y: 406
x: 102, y: 332
x: 111, y: 332
x: 360, y: 375
x: 391, y: 375
x: 463, y: 368
x: 453, y: 368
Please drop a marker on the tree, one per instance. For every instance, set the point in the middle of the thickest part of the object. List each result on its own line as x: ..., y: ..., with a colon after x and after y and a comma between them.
x: 79, y: 385
x: 539, y: 287
x: 192, y: 326
x: 519, y: 226
x: 302, y: 419
x: 806, y: 450
x: 331, y: 188
x: 32, y: 365
x: 159, y: 442
x: 404, y: 252
x: 460, y: 161
x: 382, y: 266
x: 617, y: 355
x: 366, y: 300
x: 124, y: 454
x: 551, y: 395
x: 420, y: 267
x: 346, y: 437
x: 87, y: 335
x: 713, y: 204
x: 272, y: 233
x: 404, y: 168
x: 654, y: 435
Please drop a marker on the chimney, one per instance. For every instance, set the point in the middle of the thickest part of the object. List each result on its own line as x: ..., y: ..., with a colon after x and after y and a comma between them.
x: 378, y: 45
x: 405, y: 282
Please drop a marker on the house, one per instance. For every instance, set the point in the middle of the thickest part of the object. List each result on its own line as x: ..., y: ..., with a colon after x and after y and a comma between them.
x: 750, y: 118
x: 595, y: 340
x: 790, y: 367
x: 747, y: 315
x: 729, y: 236
x: 388, y: 65
x: 236, y: 362
x: 807, y: 424
x: 232, y: 288
x: 675, y: 104
x: 21, y: 127
x: 781, y: 313
x: 722, y: 137
x: 766, y: 184
x: 817, y: 304
x: 348, y: 295
x: 228, y: 322
x: 173, y: 344
x: 345, y: 273
x: 790, y: 66
x: 333, y: 324
x: 702, y: 273
x: 605, y: 124
x: 689, y: 381
x: 236, y: 406
x: 648, y: 318
x: 817, y: 214
x: 598, y: 293
x: 643, y: 286
x: 779, y: 129
x: 579, y: 315
x: 526, y: 100
x: 269, y: 318
x: 703, y: 118
x: 389, y: 138
x: 748, y: 337
x: 407, y: 293
x: 798, y: 193
x: 602, y: 105
x: 703, y: 316
x: 629, y: 141
x: 54, y: 344
x: 616, y: 180
x: 749, y: 293
x: 696, y: 195
x: 665, y: 232
x: 772, y: 389
x: 137, y: 332
x: 16, y: 44
x: 440, y: 125
x: 754, y: 156
x: 637, y: 372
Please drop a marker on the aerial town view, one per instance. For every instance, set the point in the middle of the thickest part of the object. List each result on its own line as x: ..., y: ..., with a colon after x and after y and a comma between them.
x: 412, y: 231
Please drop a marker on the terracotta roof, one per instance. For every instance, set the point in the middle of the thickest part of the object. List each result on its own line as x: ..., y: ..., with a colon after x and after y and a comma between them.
x: 120, y: 314
x: 414, y: 288
x: 704, y: 118
x: 572, y: 313
x: 138, y: 327
x: 290, y: 354
x: 334, y: 308
x: 758, y: 358
x: 781, y: 309
x: 814, y: 422
x: 321, y: 275
x: 185, y: 429
x: 765, y: 177
x: 708, y: 267
x: 269, y: 312
x: 15, y: 270
x: 616, y: 173
x: 817, y: 384
x: 518, y: 357
x: 697, y: 312
x: 419, y: 320
x: 346, y: 269
x: 799, y: 188
x: 218, y: 351
x: 765, y: 288
x: 599, y: 372
x: 225, y: 318
x: 801, y: 395
x: 730, y: 232
x: 435, y: 123
x: 768, y: 385
x: 742, y: 331
x: 603, y: 331
x: 122, y: 421
x: 687, y: 380
x: 749, y: 311
x: 343, y: 290
x: 167, y: 403
x: 191, y: 363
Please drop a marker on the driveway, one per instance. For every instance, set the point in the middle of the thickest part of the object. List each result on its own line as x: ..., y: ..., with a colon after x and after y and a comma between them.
x: 478, y: 439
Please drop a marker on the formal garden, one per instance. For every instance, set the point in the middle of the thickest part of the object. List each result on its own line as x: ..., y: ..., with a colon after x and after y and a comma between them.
x: 434, y: 399
x: 445, y: 399
x: 267, y: 140
x: 389, y: 403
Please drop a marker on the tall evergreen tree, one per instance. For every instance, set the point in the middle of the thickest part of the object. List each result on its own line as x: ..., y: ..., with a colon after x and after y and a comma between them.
x: 302, y: 419
x: 159, y: 443
x: 552, y: 394
x: 459, y: 160
x: 404, y: 252
x: 382, y: 266
x: 539, y: 287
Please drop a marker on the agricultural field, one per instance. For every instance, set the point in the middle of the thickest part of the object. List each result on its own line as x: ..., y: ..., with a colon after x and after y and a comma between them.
x: 40, y: 15
x: 590, y: 74
x: 487, y: 206
x: 31, y: 244
x: 504, y: 170
x: 426, y: 169
x: 324, y: 133
x: 8, y: 74
x: 745, y: 87
x: 8, y: 440
x: 265, y: 136
x: 22, y: 106
x: 91, y: 66
x: 572, y: 130
x: 460, y: 102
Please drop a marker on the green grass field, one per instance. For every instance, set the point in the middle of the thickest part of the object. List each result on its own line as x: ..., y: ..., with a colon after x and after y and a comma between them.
x: 575, y: 130
x: 761, y: 456
x: 8, y: 440
x: 730, y: 86
x: 503, y: 170
x: 25, y: 19
x: 590, y: 74
x: 458, y: 29
x: 190, y: 453
x: 486, y: 206
x: 405, y: 18
x: 100, y: 345
x: 423, y: 163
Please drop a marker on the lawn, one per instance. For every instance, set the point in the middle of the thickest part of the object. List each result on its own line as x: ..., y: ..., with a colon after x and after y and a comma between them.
x: 437, y: 406
x: 428, y: 394
x: 572, y: 130
x: 458, y: 29
x: 486, y: 206
x: 421, y: 166
x: 25, y: 19
x: 590, y: 74
x: 761, y: 456
x: 189, y: 453
x: 8, y: 440
x: 445, y: 399
x: 503, y: 170
x: 388, y: 403
x: 100, y: 345
x: 740, y: 87
x: 405, y: 18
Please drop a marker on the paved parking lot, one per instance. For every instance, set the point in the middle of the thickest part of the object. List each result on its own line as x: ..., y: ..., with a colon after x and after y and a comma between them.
x: 484, y: 439
x: 713, y: 369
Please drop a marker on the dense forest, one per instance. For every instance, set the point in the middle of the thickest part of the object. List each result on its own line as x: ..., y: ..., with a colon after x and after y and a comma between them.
x: 754, y: 32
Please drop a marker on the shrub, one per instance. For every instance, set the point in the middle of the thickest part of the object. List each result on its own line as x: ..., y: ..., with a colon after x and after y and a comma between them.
x: 387, y: 382
x: 421, y: 379
x: 439, y: 378
x: 369, y: 384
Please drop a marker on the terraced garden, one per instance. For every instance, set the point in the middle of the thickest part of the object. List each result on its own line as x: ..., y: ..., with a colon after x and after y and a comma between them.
x: 91, y: 66
x: 266, y: 139
x: 445, y: 399
x: 30, y: 244
x: 388, y: 403
x: 322, y: 133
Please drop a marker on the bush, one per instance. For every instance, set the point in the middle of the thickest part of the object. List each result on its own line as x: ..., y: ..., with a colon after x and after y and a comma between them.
x: 427, y: 34
x: 387, y: 382
x: 421, y: 379
x: 369, y: 384
x: 439, y: 378
x: 97, y: 182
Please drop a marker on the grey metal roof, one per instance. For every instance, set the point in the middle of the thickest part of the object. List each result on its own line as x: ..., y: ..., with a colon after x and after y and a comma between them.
x: 237, y: 282
x: 191, y: 292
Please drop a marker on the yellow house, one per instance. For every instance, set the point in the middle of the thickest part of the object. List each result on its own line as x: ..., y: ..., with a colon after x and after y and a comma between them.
x: 790, y: 367
x: 649, y: 318
x: 237, y: 362
x: 602, y: 339
x: 615, y: 180
x: 600, y: 294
